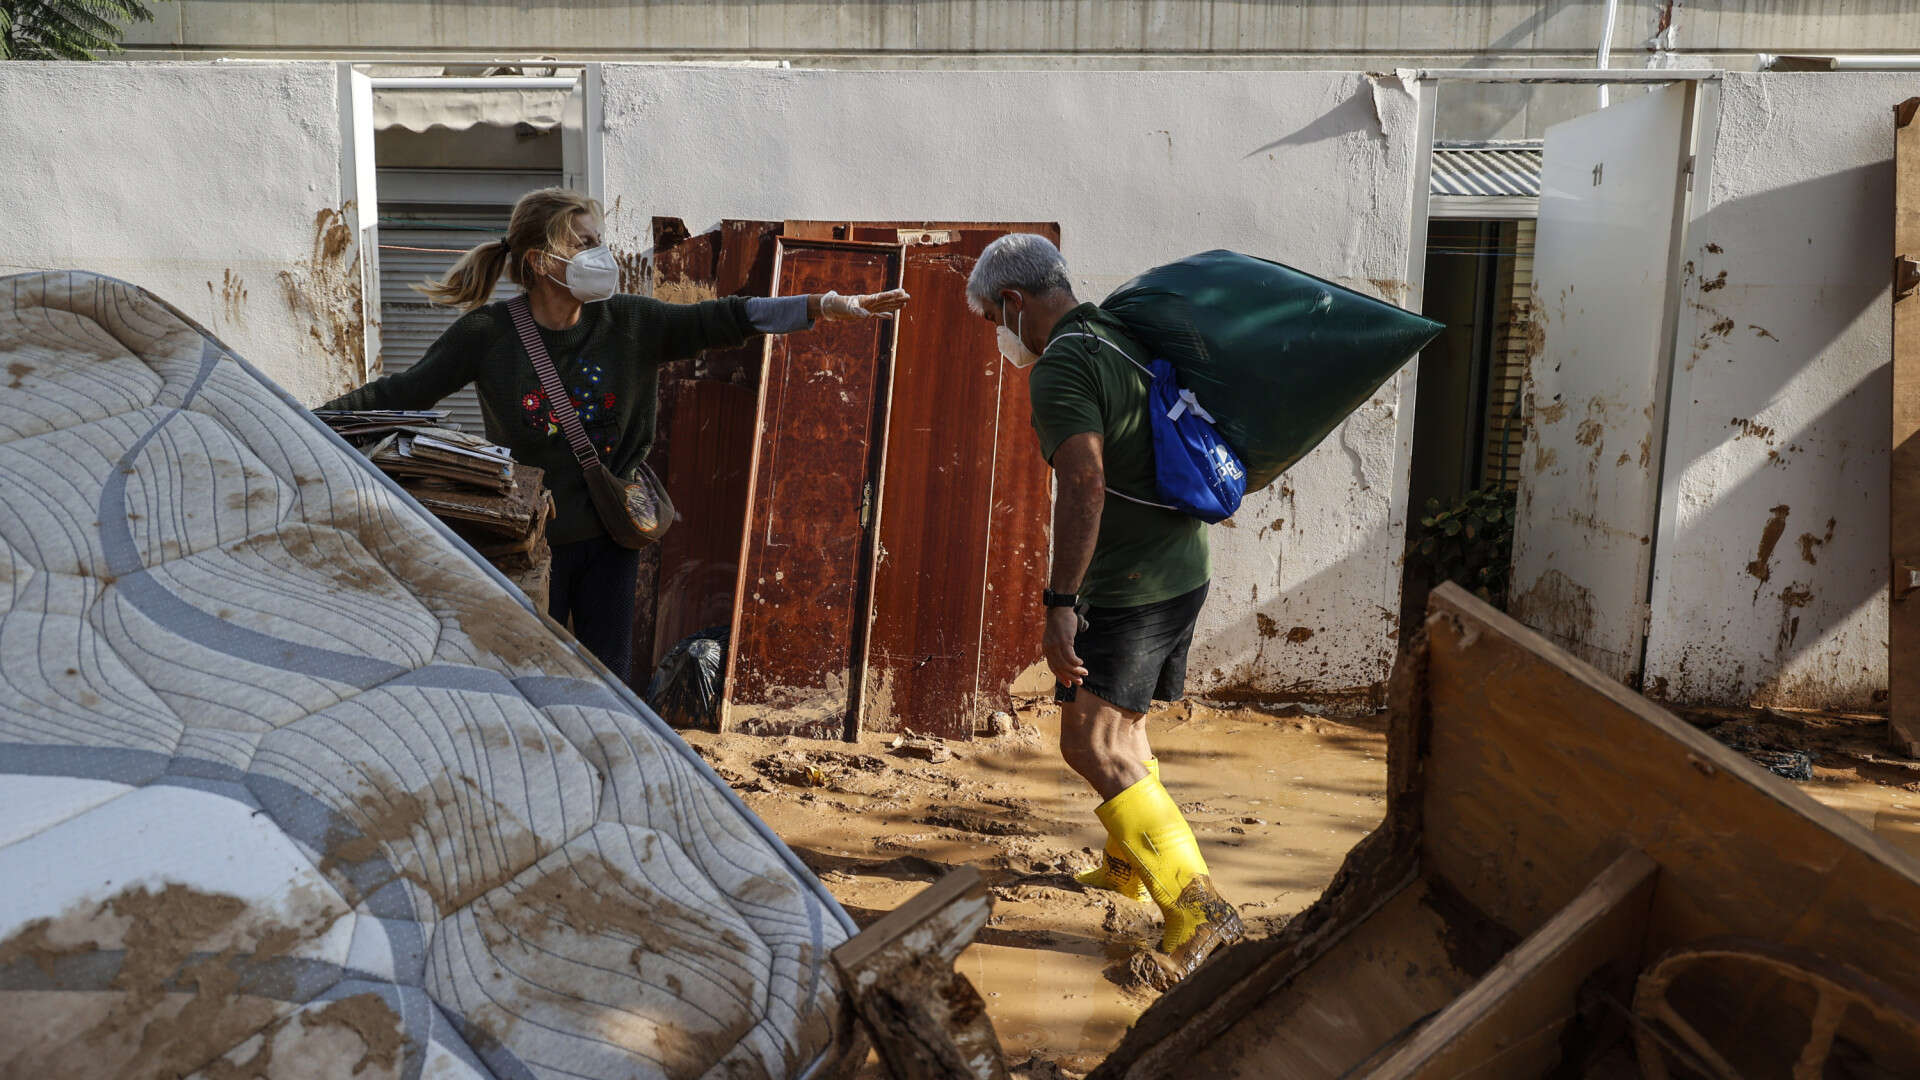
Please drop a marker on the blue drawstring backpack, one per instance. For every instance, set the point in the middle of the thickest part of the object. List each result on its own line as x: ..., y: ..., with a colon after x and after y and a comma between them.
x: 1195, y: 471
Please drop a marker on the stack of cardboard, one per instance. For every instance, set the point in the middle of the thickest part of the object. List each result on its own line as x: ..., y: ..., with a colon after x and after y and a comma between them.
x: 498, y: 505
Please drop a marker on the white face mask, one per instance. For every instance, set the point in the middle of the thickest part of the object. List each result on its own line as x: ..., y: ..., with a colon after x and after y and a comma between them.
x: 1012, y: 347
x: 592, y: 275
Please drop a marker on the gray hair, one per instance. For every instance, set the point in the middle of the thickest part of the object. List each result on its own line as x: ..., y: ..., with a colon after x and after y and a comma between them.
x: 1025, y: 261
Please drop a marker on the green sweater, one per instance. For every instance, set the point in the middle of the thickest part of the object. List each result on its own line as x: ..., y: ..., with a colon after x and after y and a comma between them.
x: 609, y: 361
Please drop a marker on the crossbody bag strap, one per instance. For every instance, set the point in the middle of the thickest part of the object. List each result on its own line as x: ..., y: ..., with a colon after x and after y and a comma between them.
x: 558, y: 400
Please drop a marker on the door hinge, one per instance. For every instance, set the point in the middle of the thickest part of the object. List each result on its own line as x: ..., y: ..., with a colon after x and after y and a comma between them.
x: 866, y: 505
x: 1906, y: 276
x: 1692, y: 159
x: 1906, y: 580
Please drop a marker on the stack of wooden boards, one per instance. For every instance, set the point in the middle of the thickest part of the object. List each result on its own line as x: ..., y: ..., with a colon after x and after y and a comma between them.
x: 496, y: 504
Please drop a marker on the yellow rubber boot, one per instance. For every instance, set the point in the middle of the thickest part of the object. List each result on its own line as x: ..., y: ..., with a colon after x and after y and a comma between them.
x: 1116, y: 871
x: 1154, y: 836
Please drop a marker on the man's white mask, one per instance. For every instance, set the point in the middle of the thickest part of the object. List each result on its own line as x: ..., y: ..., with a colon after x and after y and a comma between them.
x: 1012, y: 346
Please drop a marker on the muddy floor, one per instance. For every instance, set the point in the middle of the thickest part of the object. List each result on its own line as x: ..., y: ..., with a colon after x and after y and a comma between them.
x: 1276, y: 800
x: 1276, y: 797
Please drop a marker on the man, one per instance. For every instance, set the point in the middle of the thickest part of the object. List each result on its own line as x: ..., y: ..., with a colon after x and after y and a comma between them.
x: 1127, y: 582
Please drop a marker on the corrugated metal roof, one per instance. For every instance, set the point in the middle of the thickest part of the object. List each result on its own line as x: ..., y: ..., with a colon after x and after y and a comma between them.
x: 1499, y: 171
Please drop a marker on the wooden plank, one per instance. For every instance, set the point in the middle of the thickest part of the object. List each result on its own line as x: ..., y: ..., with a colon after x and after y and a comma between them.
x: 1903, y: 620
x: 963, y: 525
x: 802, y: 598
x: 1539, y: 769
x: 1372, y: 985
x: 1509, y: 1023
x: 926, y: 1019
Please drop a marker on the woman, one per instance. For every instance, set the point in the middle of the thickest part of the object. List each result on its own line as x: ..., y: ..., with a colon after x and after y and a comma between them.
x: 607, y: 348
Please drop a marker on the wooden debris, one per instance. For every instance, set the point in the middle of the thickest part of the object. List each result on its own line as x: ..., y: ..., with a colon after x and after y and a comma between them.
x: 926, y: 1019
x: 1493, y: 927
x: 924, y: 747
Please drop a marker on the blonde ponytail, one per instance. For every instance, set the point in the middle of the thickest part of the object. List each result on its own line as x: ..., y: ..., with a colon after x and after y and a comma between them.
x: 542, y: 221
x: 470, y: 283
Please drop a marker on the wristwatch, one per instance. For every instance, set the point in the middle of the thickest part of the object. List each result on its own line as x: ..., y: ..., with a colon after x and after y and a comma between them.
x: 1060, y: 599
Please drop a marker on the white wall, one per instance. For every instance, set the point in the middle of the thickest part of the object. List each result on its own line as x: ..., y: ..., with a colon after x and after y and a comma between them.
x: 1313, y: 169
x: 216, y: 186
x: 1773, y: 588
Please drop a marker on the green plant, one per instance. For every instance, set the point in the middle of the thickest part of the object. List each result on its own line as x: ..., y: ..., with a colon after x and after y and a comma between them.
x: 1469, y: 541
x: 65, y: 29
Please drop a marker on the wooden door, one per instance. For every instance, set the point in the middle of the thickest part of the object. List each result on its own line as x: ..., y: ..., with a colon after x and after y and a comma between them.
x: 802, y: 601
x: 1903, y: 631
x: 705, y: 437
x: 962, y: 549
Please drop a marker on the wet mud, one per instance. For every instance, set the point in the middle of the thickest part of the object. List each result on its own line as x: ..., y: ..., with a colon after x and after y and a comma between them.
x: 1276, y: 800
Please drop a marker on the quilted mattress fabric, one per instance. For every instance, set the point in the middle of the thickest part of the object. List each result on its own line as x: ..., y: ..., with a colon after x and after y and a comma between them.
x: 293, y: 785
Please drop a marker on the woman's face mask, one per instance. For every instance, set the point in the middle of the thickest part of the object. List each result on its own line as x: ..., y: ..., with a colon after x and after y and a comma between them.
x: 1012, y: 346
x: 592, y: 275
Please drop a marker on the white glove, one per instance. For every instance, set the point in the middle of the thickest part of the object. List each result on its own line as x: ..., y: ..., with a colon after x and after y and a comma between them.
x: 837, y: 308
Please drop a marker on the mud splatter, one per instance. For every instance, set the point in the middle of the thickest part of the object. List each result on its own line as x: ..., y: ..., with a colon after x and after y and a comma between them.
x: 1809, y: 542
x: 230, y: 297
x: 1591, y: 433
x: 1714, y: 249
x: 1268, y: 628
x: 1751, y: 428
x: 1793, y: 596
x: 1300, y: 634
x: 1724, y: 327
x: 325, y: 293
x: 1557, y: 606
x: 1761, y: 568
x: 1718, y: 281
x: 18, y: 371
x: 1552, y: 414
x: 369, y: 1017
x: 1761, y: 331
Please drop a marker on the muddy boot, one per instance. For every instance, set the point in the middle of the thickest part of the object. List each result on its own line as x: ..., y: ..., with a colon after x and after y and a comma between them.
x: 1209, y: 923
x: 1153, y: 834
x: 1116, y: 872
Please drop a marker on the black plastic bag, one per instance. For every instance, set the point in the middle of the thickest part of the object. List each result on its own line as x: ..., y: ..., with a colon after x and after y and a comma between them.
x: 1279, y: 357
x: 685, y: 688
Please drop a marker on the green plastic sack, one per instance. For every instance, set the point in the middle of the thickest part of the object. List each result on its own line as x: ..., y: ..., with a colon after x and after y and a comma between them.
x: 1279, y: 357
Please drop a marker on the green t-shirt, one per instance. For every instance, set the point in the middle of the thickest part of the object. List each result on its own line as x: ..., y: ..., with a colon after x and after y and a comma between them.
x: 1144, y: 555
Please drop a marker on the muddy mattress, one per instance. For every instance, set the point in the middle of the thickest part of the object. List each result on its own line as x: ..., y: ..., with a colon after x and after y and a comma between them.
x: 292, y: 784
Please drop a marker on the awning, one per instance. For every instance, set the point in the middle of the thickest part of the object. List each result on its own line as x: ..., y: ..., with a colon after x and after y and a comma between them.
x: 1509, y: 171
x: 458, y: 110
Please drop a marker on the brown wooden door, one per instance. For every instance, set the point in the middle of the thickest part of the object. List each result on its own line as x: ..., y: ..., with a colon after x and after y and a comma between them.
x: 963, y: 526
x: 1903, y: 637
x: 705, y: 439
x: 802, y: 601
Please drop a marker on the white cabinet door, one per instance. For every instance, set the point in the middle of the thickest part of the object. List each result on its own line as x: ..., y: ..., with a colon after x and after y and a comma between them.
x: 1612, y: 204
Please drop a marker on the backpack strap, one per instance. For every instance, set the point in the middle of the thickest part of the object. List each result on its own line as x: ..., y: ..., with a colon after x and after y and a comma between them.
x: 561, y: 402
x: 1144, y: 370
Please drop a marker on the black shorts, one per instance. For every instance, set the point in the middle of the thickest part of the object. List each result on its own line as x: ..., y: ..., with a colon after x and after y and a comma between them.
x: 1136, y: 656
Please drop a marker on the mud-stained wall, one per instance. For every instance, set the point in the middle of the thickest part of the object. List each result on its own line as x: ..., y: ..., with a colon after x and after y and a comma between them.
x: 216, y: 186
x: 1773, y: 587
x: 1313, y: 169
